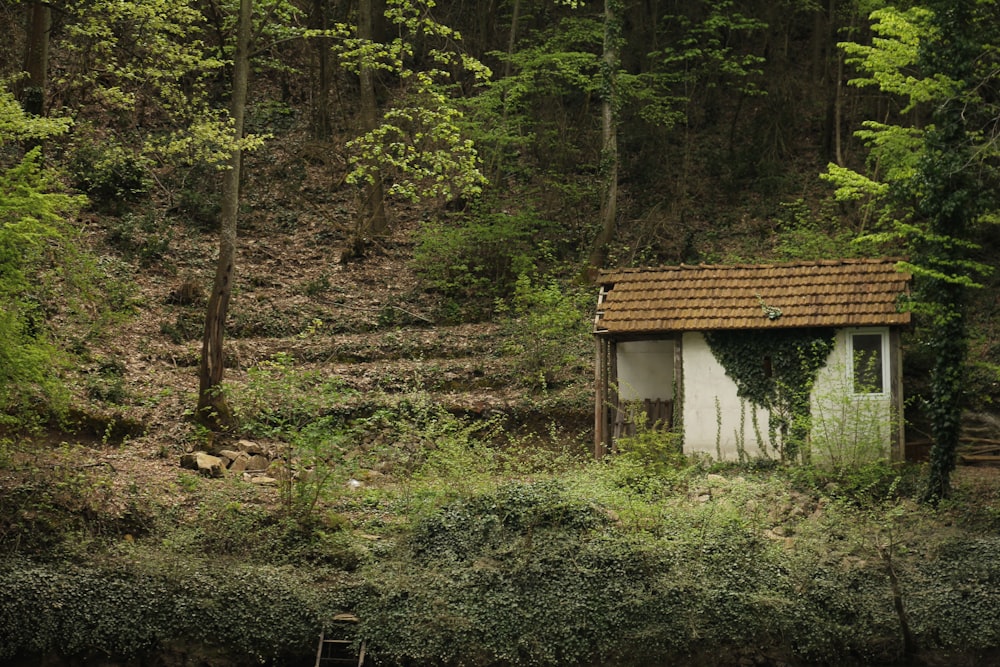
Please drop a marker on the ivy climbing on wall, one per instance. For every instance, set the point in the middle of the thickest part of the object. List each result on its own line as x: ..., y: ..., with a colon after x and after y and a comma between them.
x: 775, y: 369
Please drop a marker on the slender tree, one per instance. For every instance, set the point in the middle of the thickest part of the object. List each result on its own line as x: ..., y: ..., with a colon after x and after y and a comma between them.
x: 417, y: 141
x: 938, y: 180
x: 212, y: 410
x: 36, y: 57
x: 372, y: 219
x: 610, y: 64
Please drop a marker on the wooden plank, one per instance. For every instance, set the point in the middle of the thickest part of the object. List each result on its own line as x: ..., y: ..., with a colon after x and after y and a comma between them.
x: 599, y: 398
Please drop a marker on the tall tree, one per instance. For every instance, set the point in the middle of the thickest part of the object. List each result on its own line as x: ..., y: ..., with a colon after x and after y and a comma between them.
x: 372, y: 219
x: 417, y: 141
x: 937, y: 181
x: 951, y: 196
x: 610, y: 64
x: 321, y: 103
x: 213, y: 410
x: 36, y: 57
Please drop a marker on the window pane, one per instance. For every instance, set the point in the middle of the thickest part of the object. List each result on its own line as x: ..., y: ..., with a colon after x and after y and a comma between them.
x: 867, y: 363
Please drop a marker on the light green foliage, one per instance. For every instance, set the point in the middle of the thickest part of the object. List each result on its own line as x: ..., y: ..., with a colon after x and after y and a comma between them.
x: 889, y: 62
x: 898, y: 153
x: 419, y: 141
x: 147, y: 63
x: 847, y: 431
x: 279, y: 399
x: 459, y: 458
x: 35, y: 243
x: 654, y: 449
x: 15, y: 125
x: 547, y: 329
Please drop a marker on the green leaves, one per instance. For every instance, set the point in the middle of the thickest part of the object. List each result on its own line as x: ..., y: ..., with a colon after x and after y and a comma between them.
x: 891, y: 61
x: 33, y: 235
x: 776, y: 370
x: 419, y: 145
x: 932, y: 184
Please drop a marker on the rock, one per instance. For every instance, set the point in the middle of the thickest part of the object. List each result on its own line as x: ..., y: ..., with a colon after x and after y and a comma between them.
x: 204, y: 463
x: 250, y: 447
x: 239, y: 464
x: 258, y: 462
x: 230, y: 454
x: 263, y: 480
x: 278, y: 470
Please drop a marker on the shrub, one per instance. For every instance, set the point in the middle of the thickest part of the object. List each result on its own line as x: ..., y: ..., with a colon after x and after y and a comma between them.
x: 279, y: 400
x: 40, y: 269
x: 474, y: 259
x: 547, y: 329
x: 106, y: 170
x: 257, y: 613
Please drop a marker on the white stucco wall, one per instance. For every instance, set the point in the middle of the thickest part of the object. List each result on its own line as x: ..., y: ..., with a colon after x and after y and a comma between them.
x: 710, y: 394
x: 646, y: 369
x: 848, y: 428
x: 845, y: 427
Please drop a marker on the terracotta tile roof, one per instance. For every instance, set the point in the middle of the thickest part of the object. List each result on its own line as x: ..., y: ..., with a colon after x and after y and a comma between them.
x: 860, y: 292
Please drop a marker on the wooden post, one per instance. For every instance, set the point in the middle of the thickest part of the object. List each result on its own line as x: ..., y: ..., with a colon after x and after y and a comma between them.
x: 600, y: 423
x: 677, y: 419
x: 897, y: 438
x: 613, y: 404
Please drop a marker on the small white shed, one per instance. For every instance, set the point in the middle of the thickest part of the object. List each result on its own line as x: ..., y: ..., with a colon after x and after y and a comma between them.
x: 670, y: 340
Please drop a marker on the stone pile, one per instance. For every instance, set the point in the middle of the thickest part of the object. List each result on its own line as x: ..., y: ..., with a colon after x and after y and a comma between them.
x: 248, y: 458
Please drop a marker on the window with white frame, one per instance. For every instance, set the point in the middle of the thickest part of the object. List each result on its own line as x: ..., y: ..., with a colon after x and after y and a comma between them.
x: 868, y: 351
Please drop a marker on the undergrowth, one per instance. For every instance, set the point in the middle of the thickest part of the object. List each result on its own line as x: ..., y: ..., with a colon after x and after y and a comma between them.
x: 457, y: 545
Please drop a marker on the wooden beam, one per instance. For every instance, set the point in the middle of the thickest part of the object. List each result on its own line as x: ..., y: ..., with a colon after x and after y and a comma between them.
x: 613, y: 401
x: 599, y: 397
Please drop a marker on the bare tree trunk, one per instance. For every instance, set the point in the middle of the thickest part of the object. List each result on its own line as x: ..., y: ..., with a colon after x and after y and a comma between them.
x: 512, y: 38
x: 36, y: 58
x: 609, y: 135
x: 213, y: 411
x: 321, y: 103
x: 372, y: 218
x: 838, y: 120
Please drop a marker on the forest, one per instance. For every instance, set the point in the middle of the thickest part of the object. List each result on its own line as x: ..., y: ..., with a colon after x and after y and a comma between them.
x: 298, y: 301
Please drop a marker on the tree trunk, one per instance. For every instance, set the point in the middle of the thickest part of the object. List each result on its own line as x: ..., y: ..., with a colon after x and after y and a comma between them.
x: 512, y: 37
x: 36, y: 58
x: 372, y: 219
x: 609, y: 136
x: 321, y: 102
x: 213, y: 411
x: 950, y: 202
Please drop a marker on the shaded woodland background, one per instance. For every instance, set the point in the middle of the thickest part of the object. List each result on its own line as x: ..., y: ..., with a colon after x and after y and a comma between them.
x: 726, y: 113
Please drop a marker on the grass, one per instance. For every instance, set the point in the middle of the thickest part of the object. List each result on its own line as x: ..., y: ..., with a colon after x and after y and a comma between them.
x: 445, y: 517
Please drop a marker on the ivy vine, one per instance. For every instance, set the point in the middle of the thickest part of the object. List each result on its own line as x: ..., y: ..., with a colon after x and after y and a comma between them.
x: 775, y: 369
